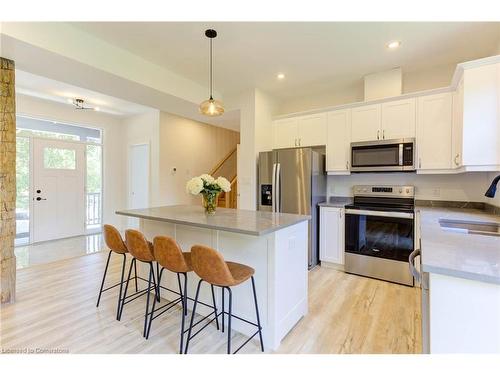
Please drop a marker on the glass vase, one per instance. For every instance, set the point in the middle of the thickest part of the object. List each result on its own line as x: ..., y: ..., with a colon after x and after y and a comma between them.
x: 210, y: 202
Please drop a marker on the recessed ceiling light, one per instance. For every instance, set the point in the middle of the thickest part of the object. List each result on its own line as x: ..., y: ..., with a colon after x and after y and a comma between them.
x: 280, y: 76
x: 394, y: 44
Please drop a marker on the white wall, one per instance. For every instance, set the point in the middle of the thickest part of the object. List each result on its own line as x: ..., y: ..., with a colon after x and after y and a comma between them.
x: 453, y: 187
x: 112, y: 127
x: 257, y: 109
x: 192, y: 148
x: 433, y: 77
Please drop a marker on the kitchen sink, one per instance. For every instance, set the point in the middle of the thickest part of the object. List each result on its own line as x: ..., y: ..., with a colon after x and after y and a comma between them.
x: 471, y: 227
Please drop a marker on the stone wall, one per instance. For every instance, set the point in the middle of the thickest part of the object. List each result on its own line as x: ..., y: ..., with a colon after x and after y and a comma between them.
x: 7, y: 180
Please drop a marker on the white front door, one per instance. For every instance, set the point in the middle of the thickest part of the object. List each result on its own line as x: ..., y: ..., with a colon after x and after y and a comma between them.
x: 138, y: 179
x: 58, y: 189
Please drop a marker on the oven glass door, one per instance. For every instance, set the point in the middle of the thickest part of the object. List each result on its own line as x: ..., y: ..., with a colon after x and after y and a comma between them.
x: 379, y: 236
x: 376, y: 156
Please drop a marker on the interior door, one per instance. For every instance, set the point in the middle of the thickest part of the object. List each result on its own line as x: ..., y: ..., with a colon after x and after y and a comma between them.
x: 58, y: 189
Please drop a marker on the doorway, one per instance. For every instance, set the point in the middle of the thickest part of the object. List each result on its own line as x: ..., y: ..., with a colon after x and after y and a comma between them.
x: 59, y: 181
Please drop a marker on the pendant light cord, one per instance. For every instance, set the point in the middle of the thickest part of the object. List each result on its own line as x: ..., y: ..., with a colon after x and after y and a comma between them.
x: 211, y: 78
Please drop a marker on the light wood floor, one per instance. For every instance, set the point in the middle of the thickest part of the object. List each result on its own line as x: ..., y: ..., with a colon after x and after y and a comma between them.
x: 55, y: 309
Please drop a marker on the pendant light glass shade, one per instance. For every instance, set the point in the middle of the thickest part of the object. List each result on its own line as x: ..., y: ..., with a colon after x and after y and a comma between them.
x: 211, y: 107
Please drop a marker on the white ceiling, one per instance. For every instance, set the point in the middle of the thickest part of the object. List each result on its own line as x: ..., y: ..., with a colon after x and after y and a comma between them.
x: 315, y: 56
x: 45, y: 88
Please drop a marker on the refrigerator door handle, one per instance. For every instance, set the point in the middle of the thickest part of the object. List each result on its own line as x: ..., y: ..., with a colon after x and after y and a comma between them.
x: 273, y: 189
x: 278, y: 187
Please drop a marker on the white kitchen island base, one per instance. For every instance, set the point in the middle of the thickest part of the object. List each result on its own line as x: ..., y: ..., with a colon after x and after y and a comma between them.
x: 280, y: 262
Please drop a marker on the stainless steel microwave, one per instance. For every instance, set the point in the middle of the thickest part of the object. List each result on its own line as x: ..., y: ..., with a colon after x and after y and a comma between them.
x: 391, y: 155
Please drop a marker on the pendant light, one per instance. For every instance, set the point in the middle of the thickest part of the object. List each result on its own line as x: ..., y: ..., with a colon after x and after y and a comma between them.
x: 211, y: 107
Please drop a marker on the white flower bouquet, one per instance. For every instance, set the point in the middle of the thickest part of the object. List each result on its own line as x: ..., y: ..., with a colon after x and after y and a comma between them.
x: 209, y: 188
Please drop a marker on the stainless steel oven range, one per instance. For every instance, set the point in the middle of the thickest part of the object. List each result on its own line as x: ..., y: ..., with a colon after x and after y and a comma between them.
x: 379, y: 232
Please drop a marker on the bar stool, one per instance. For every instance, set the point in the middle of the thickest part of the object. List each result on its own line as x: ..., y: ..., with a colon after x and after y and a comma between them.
x: 141, y: 250
x: 169, y: 256
x: 114, y: 241
x: 210, y: 266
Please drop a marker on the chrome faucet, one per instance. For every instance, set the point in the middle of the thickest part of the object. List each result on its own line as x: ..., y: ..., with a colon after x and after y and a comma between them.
x: 490, y: 193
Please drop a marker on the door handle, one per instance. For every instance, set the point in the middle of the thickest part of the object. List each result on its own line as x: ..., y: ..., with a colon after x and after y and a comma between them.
x: 40, y: 199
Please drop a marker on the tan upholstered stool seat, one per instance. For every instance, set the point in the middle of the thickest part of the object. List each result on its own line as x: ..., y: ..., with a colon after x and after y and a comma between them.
x: 170, y: 256
x: 240, y: 272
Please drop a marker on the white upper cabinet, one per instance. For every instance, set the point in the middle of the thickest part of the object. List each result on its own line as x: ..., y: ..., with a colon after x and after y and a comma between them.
x: 481, y: 118
x: 398, y: 119
x: 457, y: 128
x: 338, y: 141
x: 285, y: 133
x: 312, y: 130
x: 366, y: 122
x: 434, y: 124
x: 301, y: 131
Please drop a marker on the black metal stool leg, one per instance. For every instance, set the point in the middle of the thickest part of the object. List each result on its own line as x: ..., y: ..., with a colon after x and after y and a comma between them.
x: 192, y: 316
x: 230, y: 308
x: 223, y: 292
x: 121, y: 284
x: 103, y: 278
x: 184, y: 308
x: 125, y: 292
x: 158, y: 285
x: 151, y: 274
x: 257, y: 313
x: 135, y: 272
x: 215, y: 307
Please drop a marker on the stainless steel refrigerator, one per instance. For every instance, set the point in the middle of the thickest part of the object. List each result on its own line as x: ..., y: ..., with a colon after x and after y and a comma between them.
x: 294, y: 181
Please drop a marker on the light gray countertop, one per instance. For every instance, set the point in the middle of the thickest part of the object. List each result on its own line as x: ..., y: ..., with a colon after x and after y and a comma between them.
x: 338, y: 202
x: 469, y: 256
x: 255, y: 223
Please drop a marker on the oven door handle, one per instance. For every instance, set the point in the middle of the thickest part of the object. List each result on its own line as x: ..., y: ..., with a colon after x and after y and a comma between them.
x: 404, y: 215
x: 411, y: 259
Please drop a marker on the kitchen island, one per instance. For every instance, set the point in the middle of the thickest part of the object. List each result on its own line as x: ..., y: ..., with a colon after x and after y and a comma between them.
x: 461, y: 293
x: 274, y: 244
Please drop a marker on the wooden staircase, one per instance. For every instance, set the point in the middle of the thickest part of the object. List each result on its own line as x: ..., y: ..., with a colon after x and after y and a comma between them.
x: 227, y: 168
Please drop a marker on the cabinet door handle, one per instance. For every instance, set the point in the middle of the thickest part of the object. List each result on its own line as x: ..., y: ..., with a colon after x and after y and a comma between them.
x: 295, y: 142
x: 456, y: 157
x: 419, y: 162
x: 340, y: 212
x: 383, y: 134
x: 346, y: 165
x: 300, y: 141
x: 378, y: 134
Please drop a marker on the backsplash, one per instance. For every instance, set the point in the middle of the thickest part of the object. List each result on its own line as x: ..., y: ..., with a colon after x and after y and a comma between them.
x: 467, y: 187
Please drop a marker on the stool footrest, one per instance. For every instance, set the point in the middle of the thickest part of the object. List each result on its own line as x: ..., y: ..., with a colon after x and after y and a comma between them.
x: 165, y: 308
x: 137, y: 295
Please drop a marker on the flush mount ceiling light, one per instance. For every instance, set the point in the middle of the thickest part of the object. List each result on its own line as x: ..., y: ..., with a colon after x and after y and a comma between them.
x: 211, y: 107
x: 80, y: 104
x: 280, y: 76
x: 394, y: 44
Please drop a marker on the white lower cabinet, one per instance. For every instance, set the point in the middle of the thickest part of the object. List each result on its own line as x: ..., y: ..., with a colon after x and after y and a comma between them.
x: 331, y: 235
